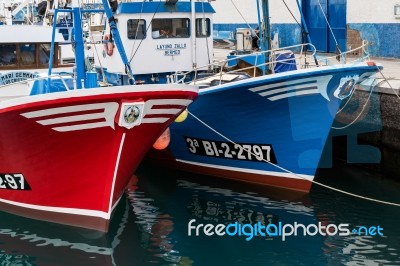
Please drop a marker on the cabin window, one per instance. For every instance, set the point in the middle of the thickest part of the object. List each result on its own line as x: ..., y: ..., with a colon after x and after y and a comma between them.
x: 8, y: 54
x: 170, y: 28
x: 27, y: 54
x: 136, y: 29
x: 203, y: 27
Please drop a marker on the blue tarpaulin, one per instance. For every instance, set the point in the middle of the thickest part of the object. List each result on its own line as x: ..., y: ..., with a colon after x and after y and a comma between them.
x: 285, y: 62
x: 56, y: 85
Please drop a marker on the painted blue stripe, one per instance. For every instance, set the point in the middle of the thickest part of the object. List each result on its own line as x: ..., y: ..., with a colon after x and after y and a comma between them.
x: 161, y: 7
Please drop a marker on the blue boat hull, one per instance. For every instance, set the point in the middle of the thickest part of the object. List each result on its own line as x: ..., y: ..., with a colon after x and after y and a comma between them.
x: 280, y: 121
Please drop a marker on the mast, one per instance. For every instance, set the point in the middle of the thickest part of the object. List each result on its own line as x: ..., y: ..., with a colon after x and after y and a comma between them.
x: 118, y: 41
x: 193, y: 33
x: 265, y: 27
x: 79, y: 43
x: 303, y: 21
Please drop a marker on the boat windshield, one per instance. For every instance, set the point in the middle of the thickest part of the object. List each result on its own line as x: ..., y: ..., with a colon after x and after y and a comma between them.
x: 8, y: 54
x: 203, y: 27
x: 170, y: 28
x: 136, y: 29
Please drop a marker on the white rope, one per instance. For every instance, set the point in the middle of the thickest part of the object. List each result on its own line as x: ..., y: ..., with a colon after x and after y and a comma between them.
x: 387, y: 81
x: 204, y: 18
x: 348, y: 100
x: 133, y: 52
x: 351, y: 95
x: 296, y: 175
x: 240, y: 13
x: 96, y: 51
x: 361, y: 112
x: 365, y: 104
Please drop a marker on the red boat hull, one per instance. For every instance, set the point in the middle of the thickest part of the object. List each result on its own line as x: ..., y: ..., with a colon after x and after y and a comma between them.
x: 67, y: 157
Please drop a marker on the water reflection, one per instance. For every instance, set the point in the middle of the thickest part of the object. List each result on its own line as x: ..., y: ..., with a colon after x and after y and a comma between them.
x: 150, y: 226
x: 339, y: 208
x: 25, y: 241
x: 163, y: 205
x: 153, y: 226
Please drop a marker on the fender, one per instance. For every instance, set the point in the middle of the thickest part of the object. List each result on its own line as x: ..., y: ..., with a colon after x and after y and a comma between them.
x: 108, y: 44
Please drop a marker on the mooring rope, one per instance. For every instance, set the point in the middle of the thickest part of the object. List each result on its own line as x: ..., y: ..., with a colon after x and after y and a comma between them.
x: 385, y: 80
x: 361, y: 112
x: 294, y: 174
x: 352, y: 93
x: 244, y: 19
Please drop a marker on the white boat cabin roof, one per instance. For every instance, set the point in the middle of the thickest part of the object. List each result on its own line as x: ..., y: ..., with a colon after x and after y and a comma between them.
x: 161, y: 36
x: 28, y: 34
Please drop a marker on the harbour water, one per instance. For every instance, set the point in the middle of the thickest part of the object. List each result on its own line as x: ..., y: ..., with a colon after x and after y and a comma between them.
x: 151, y: 225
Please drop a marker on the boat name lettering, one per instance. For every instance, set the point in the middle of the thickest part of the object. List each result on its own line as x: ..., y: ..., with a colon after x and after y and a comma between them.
x: 228, y: 150
x: 172, y: 52
x: 171, y: 46
x: 17, y: 76
x: 13, y: 181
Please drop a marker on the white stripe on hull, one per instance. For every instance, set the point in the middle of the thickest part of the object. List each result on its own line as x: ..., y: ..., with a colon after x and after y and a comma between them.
x: 305, y: 86
x: 75, y: 211
x: 160, y: 111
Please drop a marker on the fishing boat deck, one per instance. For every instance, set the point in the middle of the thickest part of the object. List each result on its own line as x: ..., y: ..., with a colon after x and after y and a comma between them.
x: 391, y: 66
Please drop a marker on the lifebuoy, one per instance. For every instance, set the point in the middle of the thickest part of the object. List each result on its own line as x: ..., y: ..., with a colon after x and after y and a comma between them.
x: 108, y: 44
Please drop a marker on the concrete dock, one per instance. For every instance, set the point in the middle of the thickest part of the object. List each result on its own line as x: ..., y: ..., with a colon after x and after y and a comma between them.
x: 373, y: 140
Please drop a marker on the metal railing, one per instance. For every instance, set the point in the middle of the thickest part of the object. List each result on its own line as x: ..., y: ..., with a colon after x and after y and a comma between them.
x: 223, y: 66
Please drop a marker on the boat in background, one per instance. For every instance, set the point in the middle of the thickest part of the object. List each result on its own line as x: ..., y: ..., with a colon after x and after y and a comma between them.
x: 25, y: 53
x: 18, y: 12
x: 70, y: 145
x: 25, y: 46
x: 261, y: 117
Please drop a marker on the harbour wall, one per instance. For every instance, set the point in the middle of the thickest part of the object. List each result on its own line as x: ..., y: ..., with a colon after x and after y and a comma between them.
x: 366, y: 133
